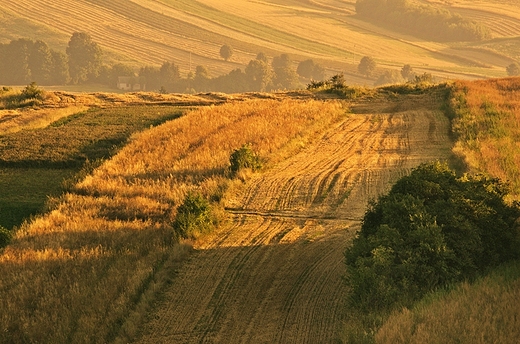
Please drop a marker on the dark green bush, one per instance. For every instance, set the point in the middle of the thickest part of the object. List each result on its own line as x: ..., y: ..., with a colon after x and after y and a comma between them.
x: 431, y: 230
x: 193, y: 216
x: 425, y: 21
x: 244, y: 157
x: 5, y: 236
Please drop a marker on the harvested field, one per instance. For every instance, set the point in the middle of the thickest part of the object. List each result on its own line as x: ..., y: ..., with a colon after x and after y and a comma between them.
x: 273, y: 274
x: 190, y: 33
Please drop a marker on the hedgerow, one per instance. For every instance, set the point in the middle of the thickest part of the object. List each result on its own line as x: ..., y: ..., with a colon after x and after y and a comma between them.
x: 431, y: 230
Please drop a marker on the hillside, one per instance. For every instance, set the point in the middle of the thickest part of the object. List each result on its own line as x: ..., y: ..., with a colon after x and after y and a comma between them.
x: 274, y: 274
x: 190, y: 33
x: 103, y: 263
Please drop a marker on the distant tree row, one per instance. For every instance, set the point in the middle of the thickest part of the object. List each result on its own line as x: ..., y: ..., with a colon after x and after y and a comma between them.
x: 258, y: 75
x: 424, y: 21
x: 24, y: 61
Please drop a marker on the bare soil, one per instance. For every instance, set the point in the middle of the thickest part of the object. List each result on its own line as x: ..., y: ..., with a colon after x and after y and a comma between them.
x: 273, y: 274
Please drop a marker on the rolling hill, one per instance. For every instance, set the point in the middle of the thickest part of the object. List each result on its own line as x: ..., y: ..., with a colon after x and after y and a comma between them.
x: 103, y: 264
x: 190, y: 33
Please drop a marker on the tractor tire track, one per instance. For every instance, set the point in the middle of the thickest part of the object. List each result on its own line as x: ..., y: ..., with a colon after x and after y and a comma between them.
x: 274, y: 274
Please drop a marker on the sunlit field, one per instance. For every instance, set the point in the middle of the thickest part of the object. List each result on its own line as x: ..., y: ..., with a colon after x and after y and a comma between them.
x: 190, y: 33
x: 92, y: 265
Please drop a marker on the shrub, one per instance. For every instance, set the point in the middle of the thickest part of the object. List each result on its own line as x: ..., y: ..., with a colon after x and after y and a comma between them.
x: 193, y: 216
x: 31, y: 95
x: 244, y: 157
x: 513, y: 69
x: 32, y: 91
x: 431, y: 230
x: 5, y: 237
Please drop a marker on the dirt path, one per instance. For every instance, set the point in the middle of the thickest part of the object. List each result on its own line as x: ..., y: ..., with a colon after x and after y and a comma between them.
x: 274, y: 274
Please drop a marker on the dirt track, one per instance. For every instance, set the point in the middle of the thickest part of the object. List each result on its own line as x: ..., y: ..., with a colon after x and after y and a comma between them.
x: 274, y: 274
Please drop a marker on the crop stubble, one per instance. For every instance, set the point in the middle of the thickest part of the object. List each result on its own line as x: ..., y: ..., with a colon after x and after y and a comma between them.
x: 274, y: 273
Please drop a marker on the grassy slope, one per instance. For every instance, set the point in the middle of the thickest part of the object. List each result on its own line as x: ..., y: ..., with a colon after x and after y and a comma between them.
x: 34, y: 163
x: 150, y: 32
x: 90, y: 268
x: 486, y: 123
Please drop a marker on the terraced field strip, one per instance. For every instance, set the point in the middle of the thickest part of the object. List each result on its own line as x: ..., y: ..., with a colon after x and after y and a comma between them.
x: 277, y: 278
x: 503, y: 21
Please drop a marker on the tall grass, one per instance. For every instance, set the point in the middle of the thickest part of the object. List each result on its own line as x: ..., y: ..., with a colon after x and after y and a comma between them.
x: 484, y: 312
x: 486, y: 121
x: 87, y: 271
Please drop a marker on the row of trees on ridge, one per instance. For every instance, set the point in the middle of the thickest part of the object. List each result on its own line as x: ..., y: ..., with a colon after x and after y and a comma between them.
x: 24, y: 61
x: 424, y: 21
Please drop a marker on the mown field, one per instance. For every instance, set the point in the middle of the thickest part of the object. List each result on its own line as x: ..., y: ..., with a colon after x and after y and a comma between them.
x: 190, y: 33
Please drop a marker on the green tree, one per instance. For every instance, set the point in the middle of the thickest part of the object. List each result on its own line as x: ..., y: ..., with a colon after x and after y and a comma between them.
x: 169, y: 75
x: 310, y: 70
x: 407, y: 72
x: 151, y: 76
x: 226, y: 52
x: 40, y: 63
x: 305, y: 68
x: 432, y: 229
x: 201, y: 79
x: 258, y: 75
x: 284, y: 75
x: 16, y: 60
x: 60, y: 68
x: 84, y: 57
x: 367, y: 66
x: 234, y: 82
x: 513, y: 69
x: 389, y: 77
x: 262, y: 57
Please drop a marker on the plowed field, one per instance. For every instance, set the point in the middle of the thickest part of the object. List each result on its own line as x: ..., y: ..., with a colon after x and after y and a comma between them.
x: 273, y: 274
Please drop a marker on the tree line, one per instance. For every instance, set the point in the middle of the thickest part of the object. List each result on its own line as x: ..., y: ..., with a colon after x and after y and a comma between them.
x: 23, y: 61
x: 423, y: 21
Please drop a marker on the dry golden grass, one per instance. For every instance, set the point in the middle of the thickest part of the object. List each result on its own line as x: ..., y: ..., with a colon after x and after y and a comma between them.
x: 490, y: 129
x: 87, y: 271
x: 16, y: 120
x: 486, y: 312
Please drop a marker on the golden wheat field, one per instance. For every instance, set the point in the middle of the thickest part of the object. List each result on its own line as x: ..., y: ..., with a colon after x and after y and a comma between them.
x: 190, y: 33
x: 103, y: 266
x: 88, y: 264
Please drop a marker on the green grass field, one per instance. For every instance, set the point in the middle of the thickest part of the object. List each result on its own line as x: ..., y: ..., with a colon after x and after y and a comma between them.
x: 36, y: 164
